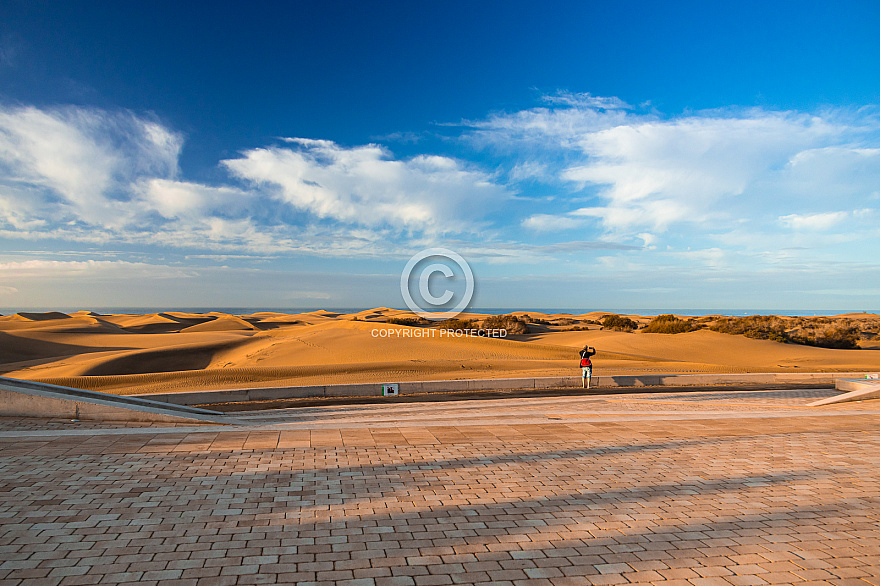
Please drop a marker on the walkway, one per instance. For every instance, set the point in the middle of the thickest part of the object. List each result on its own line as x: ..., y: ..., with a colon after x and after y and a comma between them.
x: 693, y: 489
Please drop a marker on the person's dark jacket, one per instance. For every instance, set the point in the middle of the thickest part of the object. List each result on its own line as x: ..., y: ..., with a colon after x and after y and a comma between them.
x: 587, y: 353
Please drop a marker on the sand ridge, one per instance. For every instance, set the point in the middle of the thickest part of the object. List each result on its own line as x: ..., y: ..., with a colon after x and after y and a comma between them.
x: 174, y: 351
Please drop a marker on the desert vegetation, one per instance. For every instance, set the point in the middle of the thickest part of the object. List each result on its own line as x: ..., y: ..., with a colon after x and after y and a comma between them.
x: 619, y: 323
x: 823, y: 332
x: 826, y: 333
x: 759, y: 327
x: 407, y: 321
x: 535, y: 320
x: 457, y: 324
x: 511, y: 323
x: 871, y: 330
x: 669, y: 324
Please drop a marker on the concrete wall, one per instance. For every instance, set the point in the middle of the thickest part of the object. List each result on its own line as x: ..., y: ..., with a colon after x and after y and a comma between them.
x: 29, y: 399
x: 512, y: 384
x: 849, y: 385
x: 854, y: 390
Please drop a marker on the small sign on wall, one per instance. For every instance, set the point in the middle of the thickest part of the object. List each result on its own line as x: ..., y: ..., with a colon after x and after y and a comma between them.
x: 390, y: 390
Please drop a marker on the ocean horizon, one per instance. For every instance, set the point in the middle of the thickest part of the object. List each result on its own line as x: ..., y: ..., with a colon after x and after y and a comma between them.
x: 489, y: 310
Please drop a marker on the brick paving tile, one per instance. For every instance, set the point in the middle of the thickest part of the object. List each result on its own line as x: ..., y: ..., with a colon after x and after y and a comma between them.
x: 746, y: 580
x: 769, y: 497
x: 433, y: 580
x: 713, y: 581
x: 607, y: 579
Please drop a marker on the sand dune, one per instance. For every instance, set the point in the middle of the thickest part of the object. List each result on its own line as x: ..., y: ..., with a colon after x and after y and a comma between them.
x: 173, y: 351
x: 42, y: 316
x: 220, y: 324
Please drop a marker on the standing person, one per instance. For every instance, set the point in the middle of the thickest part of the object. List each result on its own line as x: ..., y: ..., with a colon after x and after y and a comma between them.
x: 587, y: 365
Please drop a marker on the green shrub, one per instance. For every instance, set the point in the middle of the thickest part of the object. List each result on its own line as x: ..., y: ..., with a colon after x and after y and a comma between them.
x: 669, y: 324
x: 619, y: 323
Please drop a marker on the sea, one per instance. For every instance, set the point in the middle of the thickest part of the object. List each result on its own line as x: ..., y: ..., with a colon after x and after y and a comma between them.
x: 484, y: 310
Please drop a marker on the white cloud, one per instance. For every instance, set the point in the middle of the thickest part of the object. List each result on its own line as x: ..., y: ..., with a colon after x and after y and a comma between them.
x: 47, y: 264
x: 648, y: 238
x: 38, y: 268
x: 537, y: 130
x: 593, y: 166
x: 586, y: 100
x: 226, y: 257
x: 73, y: 164
x: 821, y: 221
x: 181, y: 199
x: 704, y: 179
x: 713, y: 258
x: 528, y: 170
x: 94, y: 176
x: 5, y: 290
x: 551, y: 223
x: 364, y: 185
x: 693, y: 160
x: 818, y: 174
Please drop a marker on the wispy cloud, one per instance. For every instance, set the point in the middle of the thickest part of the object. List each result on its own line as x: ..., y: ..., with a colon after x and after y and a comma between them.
x: 77, y: 165
x: 821, y: 221
x: 552, y: 223
x: 40, y: 269
x: 586, y: 100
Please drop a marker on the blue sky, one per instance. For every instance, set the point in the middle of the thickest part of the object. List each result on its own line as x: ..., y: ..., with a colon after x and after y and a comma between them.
x: 578, y: 154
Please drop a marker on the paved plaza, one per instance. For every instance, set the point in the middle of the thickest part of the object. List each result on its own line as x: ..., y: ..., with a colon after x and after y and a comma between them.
x: 672, y: 488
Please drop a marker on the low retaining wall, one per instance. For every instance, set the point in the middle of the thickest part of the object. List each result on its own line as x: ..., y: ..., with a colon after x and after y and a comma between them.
x: 848, y: 384
x: 19, y: 398
x: 511, y: 384
x: 854, y: 390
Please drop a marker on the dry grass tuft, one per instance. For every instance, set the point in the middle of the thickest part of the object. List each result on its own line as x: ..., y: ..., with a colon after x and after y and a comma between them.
x: 823, y: 332
x: 669, y: 324
x: 457, y: 324
x: 407, y: 321
x: 511, y: 323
